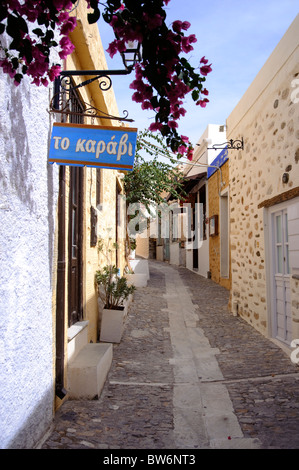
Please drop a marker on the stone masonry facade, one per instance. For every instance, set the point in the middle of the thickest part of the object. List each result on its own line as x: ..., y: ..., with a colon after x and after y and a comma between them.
x: 267, y: 118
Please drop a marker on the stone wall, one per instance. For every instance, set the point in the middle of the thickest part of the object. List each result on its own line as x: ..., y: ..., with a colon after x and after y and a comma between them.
x: 267, y: 117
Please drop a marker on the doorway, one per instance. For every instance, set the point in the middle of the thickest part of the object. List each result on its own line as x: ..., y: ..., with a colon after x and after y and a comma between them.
x: 75, y: 245
x: 280, y: 276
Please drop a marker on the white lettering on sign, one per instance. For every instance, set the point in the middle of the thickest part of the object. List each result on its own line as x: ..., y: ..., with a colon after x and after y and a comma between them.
x: 101, y: 146
x: 65, y: 143
x: 90, y: 146
x: 97, y: 147
x: 56, y: 145
x: 111, y: 147
x: 80, y: 145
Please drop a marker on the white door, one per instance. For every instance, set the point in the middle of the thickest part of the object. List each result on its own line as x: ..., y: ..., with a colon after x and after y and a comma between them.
x: 281, y: 299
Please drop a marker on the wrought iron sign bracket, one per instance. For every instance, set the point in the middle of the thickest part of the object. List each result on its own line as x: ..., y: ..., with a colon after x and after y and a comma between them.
x: 64, y: 85
x: 230, y: 145
x: 61, y: 82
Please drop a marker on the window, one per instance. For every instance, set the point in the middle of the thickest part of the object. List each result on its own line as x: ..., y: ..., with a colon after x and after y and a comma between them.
x: 75, y: 224
x: 202, y: 200
x: 99, y: 189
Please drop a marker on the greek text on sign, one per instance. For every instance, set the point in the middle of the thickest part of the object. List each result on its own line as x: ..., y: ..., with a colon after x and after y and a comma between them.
x: 95, y: 146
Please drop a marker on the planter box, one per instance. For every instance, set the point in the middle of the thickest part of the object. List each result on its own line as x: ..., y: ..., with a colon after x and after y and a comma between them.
x: 112, y: 325
x: 132, y: 254
x: 140, y: 266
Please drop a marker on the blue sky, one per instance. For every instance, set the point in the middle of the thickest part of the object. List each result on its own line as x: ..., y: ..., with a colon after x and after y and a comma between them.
x: 237, y: 37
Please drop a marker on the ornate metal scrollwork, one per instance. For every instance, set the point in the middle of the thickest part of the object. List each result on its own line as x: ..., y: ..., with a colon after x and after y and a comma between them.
x: 62, y: 104
x: 230, y: 145
x: 62, y: 101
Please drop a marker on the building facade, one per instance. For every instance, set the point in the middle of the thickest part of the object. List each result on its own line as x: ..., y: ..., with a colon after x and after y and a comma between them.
x: 51, y: 220
x: 219, y: 215
x: 264, y: 196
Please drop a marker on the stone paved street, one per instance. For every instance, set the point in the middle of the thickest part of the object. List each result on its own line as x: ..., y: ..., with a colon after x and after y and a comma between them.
x: 186, y: 375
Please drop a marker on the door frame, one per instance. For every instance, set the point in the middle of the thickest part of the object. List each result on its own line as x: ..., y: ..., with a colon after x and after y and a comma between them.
x: 79, y: 296
x: 270, y: 267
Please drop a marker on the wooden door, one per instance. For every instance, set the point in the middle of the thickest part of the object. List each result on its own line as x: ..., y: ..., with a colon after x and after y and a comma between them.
x: 281, y: 277
x: 75, y: 245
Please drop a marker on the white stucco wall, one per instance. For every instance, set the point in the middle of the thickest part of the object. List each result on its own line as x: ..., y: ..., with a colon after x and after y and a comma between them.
x: 28, y: 195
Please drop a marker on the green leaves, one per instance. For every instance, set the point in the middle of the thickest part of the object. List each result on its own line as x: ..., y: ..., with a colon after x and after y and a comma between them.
x: 95, y: 15
x: 16, y: 25
x: 149, y: 179
x: 115, y: 289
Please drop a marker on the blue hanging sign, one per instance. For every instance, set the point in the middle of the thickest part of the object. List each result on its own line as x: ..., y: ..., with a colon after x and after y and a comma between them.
x: 94, y: 146
x: 221, y: 158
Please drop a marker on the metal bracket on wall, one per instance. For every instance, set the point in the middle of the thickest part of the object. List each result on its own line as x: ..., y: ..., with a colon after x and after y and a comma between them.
x: 230, y: 145
x: 64, y: 87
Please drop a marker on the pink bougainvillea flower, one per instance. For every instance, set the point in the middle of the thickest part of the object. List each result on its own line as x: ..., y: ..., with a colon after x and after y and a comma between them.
x: 153, y: 22
x: 187, y: 41
x: 147, y: 105
x: 202, y: 103
x: 173, y: 124
x: 182, y: 149
x: 137, y: 96
x: 68, y: 26
x: 112, y: 49
x: 155, y: 126
x: 205, y: 69
x: 54, y: 72
x: 67, y: 47
x: 190, y: 154
x: 118, y: 45
x: 186, y: 25
x: 203, y: 60
x: 63, y: 16
x: 205, y: 92
x: 177, y: 26
x: 7, y: 68
x: 62, y: 4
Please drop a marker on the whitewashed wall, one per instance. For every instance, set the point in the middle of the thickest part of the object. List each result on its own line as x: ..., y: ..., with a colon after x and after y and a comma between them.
x: 28, y: 195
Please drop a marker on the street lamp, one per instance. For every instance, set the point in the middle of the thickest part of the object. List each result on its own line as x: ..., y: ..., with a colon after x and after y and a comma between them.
x: 131, y: 55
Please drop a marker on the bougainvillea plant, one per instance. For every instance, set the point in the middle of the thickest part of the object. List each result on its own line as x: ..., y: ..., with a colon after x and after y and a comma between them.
x: 162, y: 79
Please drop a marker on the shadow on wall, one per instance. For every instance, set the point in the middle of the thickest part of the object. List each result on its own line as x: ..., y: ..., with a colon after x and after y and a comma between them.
x: 25, y: 174
x: 33, y: 429
x: 17, y: 153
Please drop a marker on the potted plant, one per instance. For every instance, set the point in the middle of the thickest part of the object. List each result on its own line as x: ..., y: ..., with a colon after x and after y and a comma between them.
x: 132, y: 247
x: 114, y: 291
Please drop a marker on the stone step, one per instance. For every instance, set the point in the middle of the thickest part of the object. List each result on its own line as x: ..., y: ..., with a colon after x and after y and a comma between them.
x: 87, y: 373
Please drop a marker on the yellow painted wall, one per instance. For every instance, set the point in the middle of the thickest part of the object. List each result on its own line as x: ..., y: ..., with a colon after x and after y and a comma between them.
x: 214, y: 185
x: 89, y: 55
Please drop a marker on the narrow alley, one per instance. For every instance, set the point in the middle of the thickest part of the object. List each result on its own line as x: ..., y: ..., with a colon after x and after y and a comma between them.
x: 186, y: 375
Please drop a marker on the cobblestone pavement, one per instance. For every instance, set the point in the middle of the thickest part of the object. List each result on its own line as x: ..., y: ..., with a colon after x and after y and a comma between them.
x: 140, y: 406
